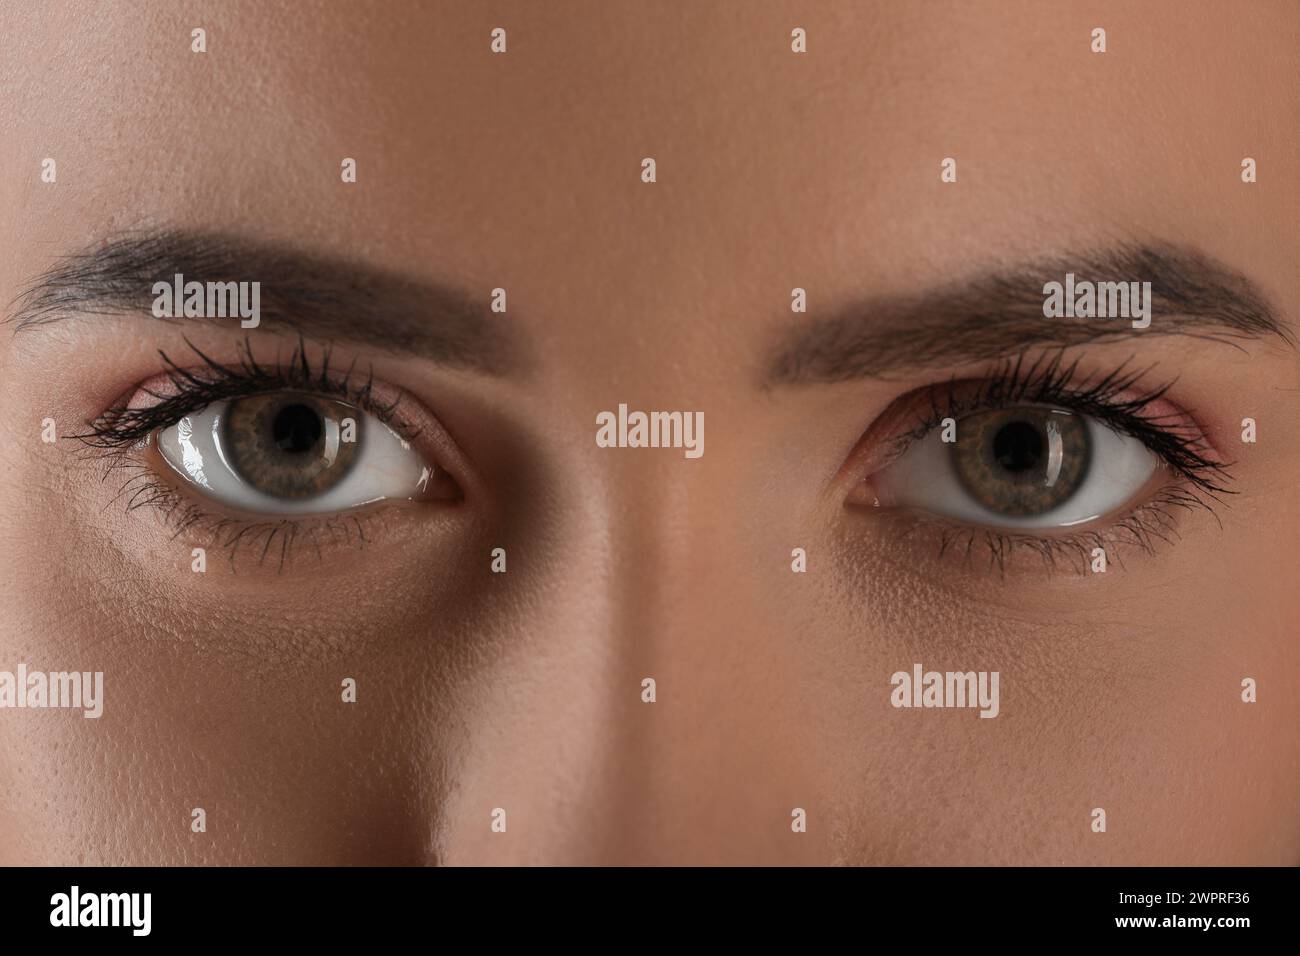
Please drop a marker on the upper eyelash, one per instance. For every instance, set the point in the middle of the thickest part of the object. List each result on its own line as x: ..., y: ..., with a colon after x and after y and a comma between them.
x: 1110, y: 398
x: 122, y: 426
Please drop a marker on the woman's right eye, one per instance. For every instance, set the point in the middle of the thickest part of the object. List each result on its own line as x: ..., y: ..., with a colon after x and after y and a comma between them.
x: 294, y: 453
x: 1023, y: 468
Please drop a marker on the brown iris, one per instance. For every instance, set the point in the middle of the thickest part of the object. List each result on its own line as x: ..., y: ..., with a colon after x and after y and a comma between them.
x: 1021, y: 461
x: 291, y: 445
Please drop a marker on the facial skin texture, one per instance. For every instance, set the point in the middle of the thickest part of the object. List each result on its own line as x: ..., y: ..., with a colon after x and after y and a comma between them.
x: 523, y: 690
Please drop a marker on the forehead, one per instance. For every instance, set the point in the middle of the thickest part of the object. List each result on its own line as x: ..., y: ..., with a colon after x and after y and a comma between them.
x: 773, y: 169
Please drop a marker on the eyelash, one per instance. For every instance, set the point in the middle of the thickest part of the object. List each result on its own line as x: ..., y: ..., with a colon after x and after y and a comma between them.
x: 1112, y: 399
x: 120, y: 432
x: 121, y: 426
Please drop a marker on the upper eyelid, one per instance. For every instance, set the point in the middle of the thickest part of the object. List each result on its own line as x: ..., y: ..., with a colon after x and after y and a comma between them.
x: 193, y: 386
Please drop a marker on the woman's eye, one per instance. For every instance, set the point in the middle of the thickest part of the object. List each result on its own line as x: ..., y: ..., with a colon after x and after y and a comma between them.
x: 1030, y: 467
x: 296, y: 453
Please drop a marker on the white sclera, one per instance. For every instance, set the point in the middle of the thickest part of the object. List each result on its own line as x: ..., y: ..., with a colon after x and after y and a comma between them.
x: 386, y: 467
x: 926, y: 479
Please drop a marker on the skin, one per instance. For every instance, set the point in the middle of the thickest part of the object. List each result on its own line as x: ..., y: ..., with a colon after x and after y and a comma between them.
x: 523, y: 691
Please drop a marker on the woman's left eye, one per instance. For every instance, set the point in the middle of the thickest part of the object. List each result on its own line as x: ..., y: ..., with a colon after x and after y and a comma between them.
x: 291, y: 453
x: 1019, y: 468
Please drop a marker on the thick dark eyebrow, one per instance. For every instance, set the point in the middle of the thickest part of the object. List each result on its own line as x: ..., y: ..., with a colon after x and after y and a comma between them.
x: 321, y: 298
x: 1000, y: 314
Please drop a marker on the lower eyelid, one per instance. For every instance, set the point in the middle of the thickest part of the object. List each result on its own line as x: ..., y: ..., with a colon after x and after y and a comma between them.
x: 942, y: 542
x: 246, y: 540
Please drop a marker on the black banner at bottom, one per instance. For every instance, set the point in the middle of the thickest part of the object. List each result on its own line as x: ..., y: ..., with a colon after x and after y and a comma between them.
x: 805, y: 906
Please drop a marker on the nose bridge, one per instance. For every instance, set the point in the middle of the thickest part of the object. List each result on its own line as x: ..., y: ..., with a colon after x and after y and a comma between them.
x: 651, y: 544
x: 690, y: 721
x: 637, y: 585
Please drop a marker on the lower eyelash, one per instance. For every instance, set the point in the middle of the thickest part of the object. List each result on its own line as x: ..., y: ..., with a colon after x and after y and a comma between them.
x: 274, y: 539
x: 1144, y: 529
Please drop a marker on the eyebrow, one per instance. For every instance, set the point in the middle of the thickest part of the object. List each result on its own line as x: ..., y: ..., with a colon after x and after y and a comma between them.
x: 1000, y: 313
x: 318, y: 296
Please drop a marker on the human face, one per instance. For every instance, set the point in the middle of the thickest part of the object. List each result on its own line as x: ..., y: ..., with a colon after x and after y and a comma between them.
x: 476, y: 690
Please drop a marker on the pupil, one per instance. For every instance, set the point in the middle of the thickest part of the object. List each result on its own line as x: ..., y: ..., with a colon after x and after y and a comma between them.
x: 1018, y: 447
x: 296, y: 429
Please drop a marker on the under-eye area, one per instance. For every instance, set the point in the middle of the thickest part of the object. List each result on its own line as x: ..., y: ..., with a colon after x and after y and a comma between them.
x: 1039, y: 456
x: 268, y: 457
